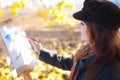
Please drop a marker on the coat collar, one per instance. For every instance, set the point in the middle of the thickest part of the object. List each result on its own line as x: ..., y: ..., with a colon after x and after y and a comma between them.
x: 83, y: 64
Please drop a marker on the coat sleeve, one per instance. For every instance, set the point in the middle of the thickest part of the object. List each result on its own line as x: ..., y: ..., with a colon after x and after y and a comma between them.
x: 51, y: 58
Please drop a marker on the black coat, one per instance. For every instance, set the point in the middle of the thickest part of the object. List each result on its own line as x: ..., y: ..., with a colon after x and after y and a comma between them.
x: 66, y: 64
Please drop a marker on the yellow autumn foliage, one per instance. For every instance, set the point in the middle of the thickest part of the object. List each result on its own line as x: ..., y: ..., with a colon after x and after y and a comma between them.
x: 56, y: 15
x: 42, y: 72
x: 2, y: 14
x: 14, y: 8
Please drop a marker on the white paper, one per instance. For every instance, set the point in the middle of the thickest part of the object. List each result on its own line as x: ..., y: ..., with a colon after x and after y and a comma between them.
x: 19, y: 48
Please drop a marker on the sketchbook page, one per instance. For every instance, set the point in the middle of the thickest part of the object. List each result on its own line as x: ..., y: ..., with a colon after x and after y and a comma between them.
x: 19, y: 48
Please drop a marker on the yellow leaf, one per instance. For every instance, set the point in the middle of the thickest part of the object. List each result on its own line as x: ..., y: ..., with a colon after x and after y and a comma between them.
x: 14, y: 10
x: 22, y: 4
x: 71, y: 24
x: 63, y: 17
x: 61, y: 5
x: 57, y: 21
x: 16, y: 4
x: 1, y: 13
x: 70, y: 6
x: 49, y: 23
x: 43, y: 13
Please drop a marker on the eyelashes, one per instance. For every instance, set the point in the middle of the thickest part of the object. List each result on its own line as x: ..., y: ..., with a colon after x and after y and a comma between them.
x: 81, y: 23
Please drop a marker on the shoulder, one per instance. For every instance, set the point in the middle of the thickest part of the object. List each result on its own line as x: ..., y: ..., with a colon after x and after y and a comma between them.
x: 82, y: 64
x: 105, y: 74
x: 116, y: 70
x: 109, y: 73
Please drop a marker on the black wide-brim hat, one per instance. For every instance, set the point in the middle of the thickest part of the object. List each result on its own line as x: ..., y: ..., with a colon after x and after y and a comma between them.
x: 105, y: 14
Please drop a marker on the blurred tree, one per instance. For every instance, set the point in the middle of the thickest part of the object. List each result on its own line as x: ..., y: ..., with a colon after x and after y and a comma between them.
x: 56, y: 15
x: 2, y: 14
x: 16, y: 5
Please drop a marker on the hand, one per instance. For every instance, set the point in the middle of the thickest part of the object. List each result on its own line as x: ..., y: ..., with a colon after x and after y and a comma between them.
x: 36, y: 44
x: 26, y: 75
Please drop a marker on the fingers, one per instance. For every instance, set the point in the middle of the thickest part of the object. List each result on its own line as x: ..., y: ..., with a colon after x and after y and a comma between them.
x: 33, y: 39
x: 36, y: 45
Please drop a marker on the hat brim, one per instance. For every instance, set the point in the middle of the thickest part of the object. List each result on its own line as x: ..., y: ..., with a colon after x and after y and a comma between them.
x: 78, y: 15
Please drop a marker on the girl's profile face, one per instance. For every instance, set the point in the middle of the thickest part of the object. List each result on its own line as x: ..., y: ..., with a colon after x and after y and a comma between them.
x: 83, y: 31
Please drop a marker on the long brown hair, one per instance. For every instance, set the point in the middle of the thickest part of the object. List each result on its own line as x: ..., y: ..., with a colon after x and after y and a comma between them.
x: 107, y: 47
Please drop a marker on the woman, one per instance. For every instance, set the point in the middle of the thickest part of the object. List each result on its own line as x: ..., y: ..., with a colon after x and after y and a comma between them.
x: 99, y: 25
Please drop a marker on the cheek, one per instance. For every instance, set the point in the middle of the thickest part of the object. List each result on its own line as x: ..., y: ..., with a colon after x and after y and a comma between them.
x: 84, y: 34
x: 83, y: 30
x: 84, y: 37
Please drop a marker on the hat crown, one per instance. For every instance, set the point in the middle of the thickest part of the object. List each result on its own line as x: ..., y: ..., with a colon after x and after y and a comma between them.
x: 102, y: 13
